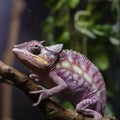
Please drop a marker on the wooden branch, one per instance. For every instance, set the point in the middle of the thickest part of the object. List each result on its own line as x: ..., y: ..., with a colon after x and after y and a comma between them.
x: 52, y: 110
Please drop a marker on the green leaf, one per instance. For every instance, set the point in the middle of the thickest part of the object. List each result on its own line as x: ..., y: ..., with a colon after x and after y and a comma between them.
x: 114, y: 41
x: 73, y: 3
x: 62, y: 20
x: 114, y: 4
x: 86, y: 32
x: 106, y: 28
x: 83, y: 25
x: 101, y: 61
x: 98, y: 32
x: 64, y: 37
x: 59, y: 4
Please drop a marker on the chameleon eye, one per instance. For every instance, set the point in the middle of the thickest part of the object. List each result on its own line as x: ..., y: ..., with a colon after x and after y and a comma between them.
x: 35, y: 49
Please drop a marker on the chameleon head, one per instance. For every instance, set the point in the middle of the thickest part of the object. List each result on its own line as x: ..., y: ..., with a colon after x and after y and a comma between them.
x: 35, y: 56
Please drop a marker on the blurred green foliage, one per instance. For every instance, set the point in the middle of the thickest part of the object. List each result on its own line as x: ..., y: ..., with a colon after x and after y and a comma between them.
x: 91, y: 27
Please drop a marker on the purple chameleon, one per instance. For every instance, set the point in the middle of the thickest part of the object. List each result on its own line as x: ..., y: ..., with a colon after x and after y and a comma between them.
x: 65, y: 72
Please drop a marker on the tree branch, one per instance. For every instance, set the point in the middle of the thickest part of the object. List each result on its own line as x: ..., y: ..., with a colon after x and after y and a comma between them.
x: 52, y: 110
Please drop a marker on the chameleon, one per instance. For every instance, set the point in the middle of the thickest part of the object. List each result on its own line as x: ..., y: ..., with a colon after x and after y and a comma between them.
x: 64, y: 72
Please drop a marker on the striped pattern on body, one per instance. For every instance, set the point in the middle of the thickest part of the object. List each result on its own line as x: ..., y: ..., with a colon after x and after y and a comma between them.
x: 79, y: 64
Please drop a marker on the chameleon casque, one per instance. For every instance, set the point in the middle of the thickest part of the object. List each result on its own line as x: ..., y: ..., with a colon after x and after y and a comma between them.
x: 66, y: 72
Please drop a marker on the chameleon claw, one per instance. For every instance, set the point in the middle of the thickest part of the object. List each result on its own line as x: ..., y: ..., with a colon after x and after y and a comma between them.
x: 34, y: 104
x: 39, y: 100
x: 35, y: 92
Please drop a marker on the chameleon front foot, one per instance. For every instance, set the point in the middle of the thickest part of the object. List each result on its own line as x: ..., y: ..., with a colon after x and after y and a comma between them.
x: 43, y: 95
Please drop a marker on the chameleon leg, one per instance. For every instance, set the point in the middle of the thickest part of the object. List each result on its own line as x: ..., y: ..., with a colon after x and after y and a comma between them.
x: 84, y: 108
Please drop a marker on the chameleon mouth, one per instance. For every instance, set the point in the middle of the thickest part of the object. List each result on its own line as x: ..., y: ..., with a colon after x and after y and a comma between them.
x: 39, y: 59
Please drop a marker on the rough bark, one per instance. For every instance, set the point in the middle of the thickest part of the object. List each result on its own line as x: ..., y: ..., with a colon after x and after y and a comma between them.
x: 52, y: 110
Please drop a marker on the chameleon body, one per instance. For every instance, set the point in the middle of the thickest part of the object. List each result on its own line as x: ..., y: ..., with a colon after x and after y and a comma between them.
x: 66, y: 72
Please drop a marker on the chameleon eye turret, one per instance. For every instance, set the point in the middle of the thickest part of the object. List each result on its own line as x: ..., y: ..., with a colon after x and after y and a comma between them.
x: 35, y: 49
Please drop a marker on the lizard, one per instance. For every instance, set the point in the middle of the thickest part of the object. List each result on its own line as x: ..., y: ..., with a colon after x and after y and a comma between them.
x: 64, y: 72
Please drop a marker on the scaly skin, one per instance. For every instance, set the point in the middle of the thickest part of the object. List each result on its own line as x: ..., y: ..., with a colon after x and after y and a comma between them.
x: 66, y: 72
